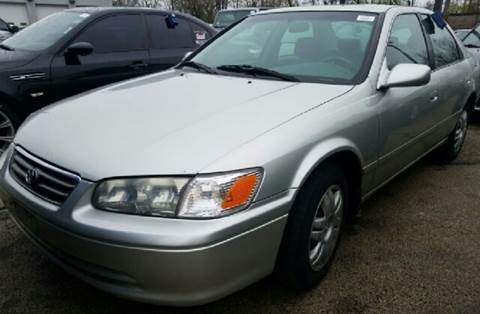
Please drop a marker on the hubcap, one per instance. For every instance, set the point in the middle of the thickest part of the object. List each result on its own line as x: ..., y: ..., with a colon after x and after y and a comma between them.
x: 326, y: 227
x: 460, y: 131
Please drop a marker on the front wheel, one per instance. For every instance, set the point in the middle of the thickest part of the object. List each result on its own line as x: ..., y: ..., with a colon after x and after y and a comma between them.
x: 314, y: 227
x: 9, y: 123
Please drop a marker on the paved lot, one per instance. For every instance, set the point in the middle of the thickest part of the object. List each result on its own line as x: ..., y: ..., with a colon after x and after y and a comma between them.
x: 416, y: 248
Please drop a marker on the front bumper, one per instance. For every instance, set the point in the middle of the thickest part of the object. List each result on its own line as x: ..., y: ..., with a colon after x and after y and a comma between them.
x: 164, y: 261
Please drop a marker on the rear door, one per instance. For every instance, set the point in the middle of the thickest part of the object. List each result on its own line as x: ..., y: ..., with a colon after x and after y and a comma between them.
x: 168, y: 45
x: 450, y: 75
x: 120, y: 52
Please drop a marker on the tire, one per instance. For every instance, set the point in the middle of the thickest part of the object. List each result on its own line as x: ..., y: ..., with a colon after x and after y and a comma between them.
x: 297, y: 265
x: 9, y: 123
x: 474, y: 115
x: 452, y: 148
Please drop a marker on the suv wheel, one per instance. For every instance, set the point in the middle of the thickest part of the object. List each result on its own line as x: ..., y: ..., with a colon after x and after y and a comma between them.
x: 314, y: 226
x: 8, y: 126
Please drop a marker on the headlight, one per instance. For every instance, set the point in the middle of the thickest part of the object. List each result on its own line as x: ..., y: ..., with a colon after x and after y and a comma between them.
x: 204, y: 196
x: 220, y: 194
x: 146, y: 196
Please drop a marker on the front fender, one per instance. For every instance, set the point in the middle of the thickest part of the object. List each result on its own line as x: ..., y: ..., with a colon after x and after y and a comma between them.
x: 321, y: 152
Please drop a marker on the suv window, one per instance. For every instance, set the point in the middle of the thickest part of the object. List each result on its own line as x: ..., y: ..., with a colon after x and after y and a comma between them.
x: 116, y: 34
x: 163, y: 37
x: 445, y: 48
x: 201, y: 35
x: 406, y: 43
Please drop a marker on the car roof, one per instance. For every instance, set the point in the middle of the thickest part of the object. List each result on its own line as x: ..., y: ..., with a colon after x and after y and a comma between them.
x: 107, y: 10
x: 372, y: 8
x: 93, y: 10
x: 242, y: 9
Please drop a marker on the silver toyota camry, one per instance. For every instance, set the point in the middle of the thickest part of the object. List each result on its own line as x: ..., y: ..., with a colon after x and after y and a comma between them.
x: 244, y: 160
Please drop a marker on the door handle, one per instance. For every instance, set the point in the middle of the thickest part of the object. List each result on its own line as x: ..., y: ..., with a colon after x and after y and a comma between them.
x: 138, y: 65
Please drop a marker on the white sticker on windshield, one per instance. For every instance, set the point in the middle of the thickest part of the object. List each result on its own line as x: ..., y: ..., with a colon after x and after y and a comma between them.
x: 84, y: 15
x: 365, y: 18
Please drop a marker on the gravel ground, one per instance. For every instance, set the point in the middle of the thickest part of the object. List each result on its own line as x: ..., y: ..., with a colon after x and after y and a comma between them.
x: 416, y: 248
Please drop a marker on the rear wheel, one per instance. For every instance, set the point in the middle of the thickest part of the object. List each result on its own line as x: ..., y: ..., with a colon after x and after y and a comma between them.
x: 474, y: 114
x: 314, y: 227
x: 9, y: 123
x: 452, y: 148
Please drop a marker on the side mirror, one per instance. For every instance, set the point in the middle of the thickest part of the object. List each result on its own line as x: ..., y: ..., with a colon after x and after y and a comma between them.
x: 80, y: 49
x: 408, y: 75
x: 13, y: 28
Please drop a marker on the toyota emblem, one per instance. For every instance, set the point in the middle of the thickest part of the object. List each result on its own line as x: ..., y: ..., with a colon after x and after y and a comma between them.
x: 31, y: 176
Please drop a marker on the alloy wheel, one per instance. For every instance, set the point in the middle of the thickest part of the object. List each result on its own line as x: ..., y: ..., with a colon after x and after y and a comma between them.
x: 326, y: 227
x: 7, y: 131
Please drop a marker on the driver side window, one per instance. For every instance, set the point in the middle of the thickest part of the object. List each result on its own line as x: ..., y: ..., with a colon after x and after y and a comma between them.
x: 406, y: 43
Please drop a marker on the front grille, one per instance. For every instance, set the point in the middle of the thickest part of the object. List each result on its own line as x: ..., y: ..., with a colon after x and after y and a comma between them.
x: 42, y: 179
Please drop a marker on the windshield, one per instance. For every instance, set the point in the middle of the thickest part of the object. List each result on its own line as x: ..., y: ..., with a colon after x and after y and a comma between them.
x: 225, y: 18
x: 462, y: 33
x: 472, y: 40
x: 46, y: 32
x: 327, y: 47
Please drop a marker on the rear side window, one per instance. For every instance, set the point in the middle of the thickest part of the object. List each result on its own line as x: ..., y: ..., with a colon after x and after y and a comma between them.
x: 445, y: 50
x: 115, y: 34
x: 200, y: 34
x: 406, y: 43
x: 163, y: 37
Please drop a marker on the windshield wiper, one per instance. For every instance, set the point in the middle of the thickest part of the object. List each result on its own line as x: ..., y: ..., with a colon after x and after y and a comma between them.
x: 198, y: 66
x: 472, y: 46
x: 5, y: 47
x: 253, y: 70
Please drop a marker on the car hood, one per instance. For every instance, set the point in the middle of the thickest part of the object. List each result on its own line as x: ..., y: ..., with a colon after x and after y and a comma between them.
x: 15, y: 59
x: 170, y: 123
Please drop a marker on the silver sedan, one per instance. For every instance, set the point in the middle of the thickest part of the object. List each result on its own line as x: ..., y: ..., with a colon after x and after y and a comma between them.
x: 247, y: 158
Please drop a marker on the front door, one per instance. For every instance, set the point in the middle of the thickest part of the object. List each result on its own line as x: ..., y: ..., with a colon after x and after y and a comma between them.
x: 406, y: 111
x: 119, y: 52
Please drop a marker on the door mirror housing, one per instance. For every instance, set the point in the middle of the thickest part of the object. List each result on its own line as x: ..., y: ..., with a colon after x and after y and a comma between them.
x: 80, y: 49
x: 408, y: 75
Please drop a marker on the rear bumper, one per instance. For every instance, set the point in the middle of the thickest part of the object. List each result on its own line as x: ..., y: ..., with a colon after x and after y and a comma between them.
x: 154, y: 260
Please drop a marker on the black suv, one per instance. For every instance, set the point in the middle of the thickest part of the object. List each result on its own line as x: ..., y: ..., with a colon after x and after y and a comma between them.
x: 80, y: 49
